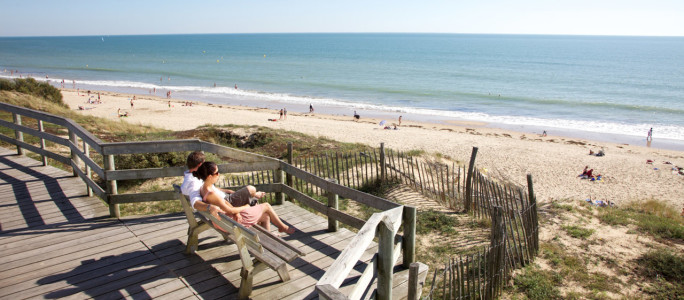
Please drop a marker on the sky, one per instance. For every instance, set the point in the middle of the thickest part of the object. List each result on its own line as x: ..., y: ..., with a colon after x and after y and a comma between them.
x: 574, y: 17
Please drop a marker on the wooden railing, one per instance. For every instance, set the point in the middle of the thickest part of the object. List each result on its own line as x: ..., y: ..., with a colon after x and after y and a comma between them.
x: 388, y: 221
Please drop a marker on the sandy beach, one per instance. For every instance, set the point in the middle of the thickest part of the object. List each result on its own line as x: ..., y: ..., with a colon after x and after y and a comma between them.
x: 554, y: 161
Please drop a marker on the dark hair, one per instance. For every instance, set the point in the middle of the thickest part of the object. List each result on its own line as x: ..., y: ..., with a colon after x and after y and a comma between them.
x: 194, y: 159
x: 206, y: 169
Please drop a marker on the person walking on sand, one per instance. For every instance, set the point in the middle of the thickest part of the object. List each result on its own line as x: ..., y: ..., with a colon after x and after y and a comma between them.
x: 311, y: 110
x: 649, y: 137
x: 131, y: 103
x: 281, y: 114
x: 399, y: 121
x: 285, y: 113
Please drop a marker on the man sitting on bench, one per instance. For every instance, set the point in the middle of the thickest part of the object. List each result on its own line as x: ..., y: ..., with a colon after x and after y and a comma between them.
x: 191, y: 185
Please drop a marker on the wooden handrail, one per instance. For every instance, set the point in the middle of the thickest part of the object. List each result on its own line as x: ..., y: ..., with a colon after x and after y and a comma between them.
x: 339, y: 270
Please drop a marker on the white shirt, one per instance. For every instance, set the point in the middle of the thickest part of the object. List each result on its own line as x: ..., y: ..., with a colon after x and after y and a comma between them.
x: 191, y: 188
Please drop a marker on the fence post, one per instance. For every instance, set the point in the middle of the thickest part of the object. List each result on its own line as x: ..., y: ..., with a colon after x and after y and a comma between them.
x: 497, y: 251
x: 413, y: 285
x: 88, y: 172
x: 383, y: 164
x: 290, y: 158
x: 409, y: 241
x: 469, y: 181
x: 533, y: 213
x: 42, y: 142
x: 279, y: 178
x: 111, y: 187
x: 74, y: 144
x: 18, y: 134
x: 333, y: 224
x: 385, y: 261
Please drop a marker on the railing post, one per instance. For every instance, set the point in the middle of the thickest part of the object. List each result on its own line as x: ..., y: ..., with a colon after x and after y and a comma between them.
x: 88, y: 172
x: 42, y: 142
x: 74, y: 156
x: 413, y: 286
x: 290, y: 158
x: 333, y: 202
x: 469, y: 181
x: 409, y: 240
x: 111, y: 187
x: 383, y: 164
x: 279, y: 196
x: 385, y: 261
x: 18, y: 134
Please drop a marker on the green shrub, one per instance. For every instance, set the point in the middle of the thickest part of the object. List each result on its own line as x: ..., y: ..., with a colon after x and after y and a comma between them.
x: 32, y: 87
x: 538, y: 284
x: 662, y: 263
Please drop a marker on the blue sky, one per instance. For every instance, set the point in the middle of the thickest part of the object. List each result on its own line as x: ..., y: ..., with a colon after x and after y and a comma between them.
x: 596, y: 17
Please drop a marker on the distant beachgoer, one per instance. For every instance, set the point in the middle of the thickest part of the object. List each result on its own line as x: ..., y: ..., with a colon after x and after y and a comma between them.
x: 62, y: 83
x: 285, y: 113
x: 544, y: 133
x: 154, y: 90
x: 649, y: 137
x: 399, y: 121
x: 73, y: 82
x: 214, y: 84
x: 356, y: 116
x: 311, y: 108
x: 98, y: 96
x: 236, y: 86
x: 281, y: 114
x: 169, y: 104
x: 131, y: 103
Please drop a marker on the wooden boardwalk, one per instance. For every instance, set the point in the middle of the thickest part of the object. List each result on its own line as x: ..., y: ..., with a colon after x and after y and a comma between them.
x: 55, y: 242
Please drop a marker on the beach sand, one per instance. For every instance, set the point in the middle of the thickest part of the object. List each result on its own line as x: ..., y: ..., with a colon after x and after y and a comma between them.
x: 554, y: 161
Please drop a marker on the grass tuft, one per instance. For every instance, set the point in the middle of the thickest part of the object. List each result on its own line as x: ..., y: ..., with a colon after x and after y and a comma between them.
x: 578, y: 232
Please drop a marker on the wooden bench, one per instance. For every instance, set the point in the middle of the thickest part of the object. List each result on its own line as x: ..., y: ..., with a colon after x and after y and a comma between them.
x: 258, y: 248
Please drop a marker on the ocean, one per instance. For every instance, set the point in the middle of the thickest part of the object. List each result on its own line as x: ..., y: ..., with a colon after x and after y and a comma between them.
x: 608, y: 88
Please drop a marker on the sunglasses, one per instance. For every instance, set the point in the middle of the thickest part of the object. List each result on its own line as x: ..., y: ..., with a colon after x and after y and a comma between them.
x: 217, y: 172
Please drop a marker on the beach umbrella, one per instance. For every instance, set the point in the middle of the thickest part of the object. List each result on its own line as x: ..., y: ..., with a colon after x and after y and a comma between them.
x: 382, y: 122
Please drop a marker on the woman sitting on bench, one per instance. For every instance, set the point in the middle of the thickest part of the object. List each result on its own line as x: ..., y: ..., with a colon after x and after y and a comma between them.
x: 262, y: 214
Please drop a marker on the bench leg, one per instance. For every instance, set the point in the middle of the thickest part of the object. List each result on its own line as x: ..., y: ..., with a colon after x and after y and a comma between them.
x: 283, y: 273
x: 245, y: 284
x: 193, y: 241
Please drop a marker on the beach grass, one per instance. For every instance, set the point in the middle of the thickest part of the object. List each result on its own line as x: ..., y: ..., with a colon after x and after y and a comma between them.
x: 650, y: 216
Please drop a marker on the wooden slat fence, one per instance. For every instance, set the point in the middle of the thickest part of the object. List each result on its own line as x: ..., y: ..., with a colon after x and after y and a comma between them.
x: 512, y: 210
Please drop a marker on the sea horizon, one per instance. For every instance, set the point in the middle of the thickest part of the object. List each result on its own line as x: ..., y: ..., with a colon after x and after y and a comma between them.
x: 604, y: 88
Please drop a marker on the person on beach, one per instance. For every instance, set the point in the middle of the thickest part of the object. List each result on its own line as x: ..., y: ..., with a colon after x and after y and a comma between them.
x: 281, y: 114
x: 356, y: 116
x: 649, y: 137
x: 131, y: 103
x: 285, y: 113
x: 399, y: 121
x: 245, y: 214
x: 311, y: 110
